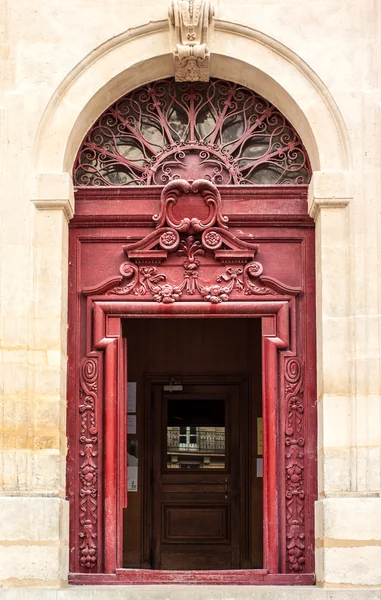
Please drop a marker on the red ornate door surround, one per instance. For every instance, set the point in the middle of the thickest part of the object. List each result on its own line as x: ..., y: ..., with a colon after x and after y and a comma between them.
x: 214, y: 246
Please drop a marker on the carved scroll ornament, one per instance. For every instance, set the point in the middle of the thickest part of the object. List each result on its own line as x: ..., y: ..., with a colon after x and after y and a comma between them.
x: 190, y: 23
x: 191, y: 235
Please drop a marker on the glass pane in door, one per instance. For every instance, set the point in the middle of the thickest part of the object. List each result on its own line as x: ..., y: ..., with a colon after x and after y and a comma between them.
x: 196, y: 434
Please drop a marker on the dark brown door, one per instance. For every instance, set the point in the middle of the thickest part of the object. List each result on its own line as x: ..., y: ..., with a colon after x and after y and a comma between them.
x: 198, y: 484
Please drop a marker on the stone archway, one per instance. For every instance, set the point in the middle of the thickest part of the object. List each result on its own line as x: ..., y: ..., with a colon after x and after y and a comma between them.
x: 73, y: 109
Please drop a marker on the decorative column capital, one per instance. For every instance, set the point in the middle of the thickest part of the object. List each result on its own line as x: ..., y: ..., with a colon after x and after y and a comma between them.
x: 190, y: 23
x: 329, y: 189
x: 54, y: 191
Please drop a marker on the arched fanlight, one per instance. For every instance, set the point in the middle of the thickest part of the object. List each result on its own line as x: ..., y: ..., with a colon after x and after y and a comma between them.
x: 220, y: 131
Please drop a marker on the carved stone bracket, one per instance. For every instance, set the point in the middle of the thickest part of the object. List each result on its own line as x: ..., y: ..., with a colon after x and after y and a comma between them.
x: 190, y: 231
x: 190, y: 24
x: 295, y: 493
x: 88, y: 469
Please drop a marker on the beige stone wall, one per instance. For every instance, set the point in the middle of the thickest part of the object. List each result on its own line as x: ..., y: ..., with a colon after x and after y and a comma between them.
x: 62, y: 64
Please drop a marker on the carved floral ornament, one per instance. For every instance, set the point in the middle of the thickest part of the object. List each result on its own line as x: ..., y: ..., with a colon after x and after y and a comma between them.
x: 88, y: 473
x: 191, y: 235
x: 295, y: 486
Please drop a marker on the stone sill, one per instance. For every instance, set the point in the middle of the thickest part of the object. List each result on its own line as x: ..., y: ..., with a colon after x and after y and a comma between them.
x: 189, y: 592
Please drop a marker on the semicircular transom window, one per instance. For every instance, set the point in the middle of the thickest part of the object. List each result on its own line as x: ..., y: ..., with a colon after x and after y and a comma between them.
x: 220, y: 131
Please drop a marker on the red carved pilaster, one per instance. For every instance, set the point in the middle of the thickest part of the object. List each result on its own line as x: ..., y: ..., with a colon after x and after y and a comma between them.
x: 295, y: 492
x: 88, y: 469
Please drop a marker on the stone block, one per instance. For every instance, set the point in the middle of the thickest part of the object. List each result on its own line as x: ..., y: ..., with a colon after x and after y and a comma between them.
x: 348, y: 533
x: 352, y: 518
x: 323, y: 182
x: 46, y: 466
x: 335, y: 470
x: 33, y: 519
x: 33, y: 541
x: 352, y: 565
x: 331, y: 411
x: 29, y: 564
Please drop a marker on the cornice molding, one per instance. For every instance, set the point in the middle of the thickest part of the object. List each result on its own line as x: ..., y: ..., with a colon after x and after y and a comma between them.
x: 329, y: 189
x: 54, y: 191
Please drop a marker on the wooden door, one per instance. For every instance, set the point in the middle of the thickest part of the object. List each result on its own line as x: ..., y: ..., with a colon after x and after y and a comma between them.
x: 197, y: 477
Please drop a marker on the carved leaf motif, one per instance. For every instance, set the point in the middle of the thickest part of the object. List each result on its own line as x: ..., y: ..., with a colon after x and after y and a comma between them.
x: 167, y: 293
x: 190, y: 247
x: 215, y: 294
x: 88, y: 546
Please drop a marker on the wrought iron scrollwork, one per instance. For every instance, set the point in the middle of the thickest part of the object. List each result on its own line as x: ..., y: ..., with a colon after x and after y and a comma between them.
x: 220, y: 131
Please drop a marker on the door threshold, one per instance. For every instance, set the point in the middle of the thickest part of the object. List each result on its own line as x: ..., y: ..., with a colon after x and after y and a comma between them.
x: 153, y: 577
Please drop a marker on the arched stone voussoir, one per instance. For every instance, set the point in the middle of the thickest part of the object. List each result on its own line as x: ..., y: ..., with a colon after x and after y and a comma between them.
x: 240, y: 54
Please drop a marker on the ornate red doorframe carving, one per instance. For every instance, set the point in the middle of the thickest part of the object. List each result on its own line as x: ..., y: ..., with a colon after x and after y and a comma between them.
x: 194, y: 263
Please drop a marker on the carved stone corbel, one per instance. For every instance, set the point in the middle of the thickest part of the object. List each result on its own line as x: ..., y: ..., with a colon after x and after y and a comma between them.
x: 190, y: 22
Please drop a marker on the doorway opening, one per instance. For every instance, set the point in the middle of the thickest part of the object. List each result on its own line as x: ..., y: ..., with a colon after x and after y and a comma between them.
x: 195, y: 451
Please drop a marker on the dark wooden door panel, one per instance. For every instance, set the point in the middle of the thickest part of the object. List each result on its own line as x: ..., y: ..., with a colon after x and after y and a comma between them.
x: 189, y: 489
x: 192, y: 523
x: 197, y: 558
